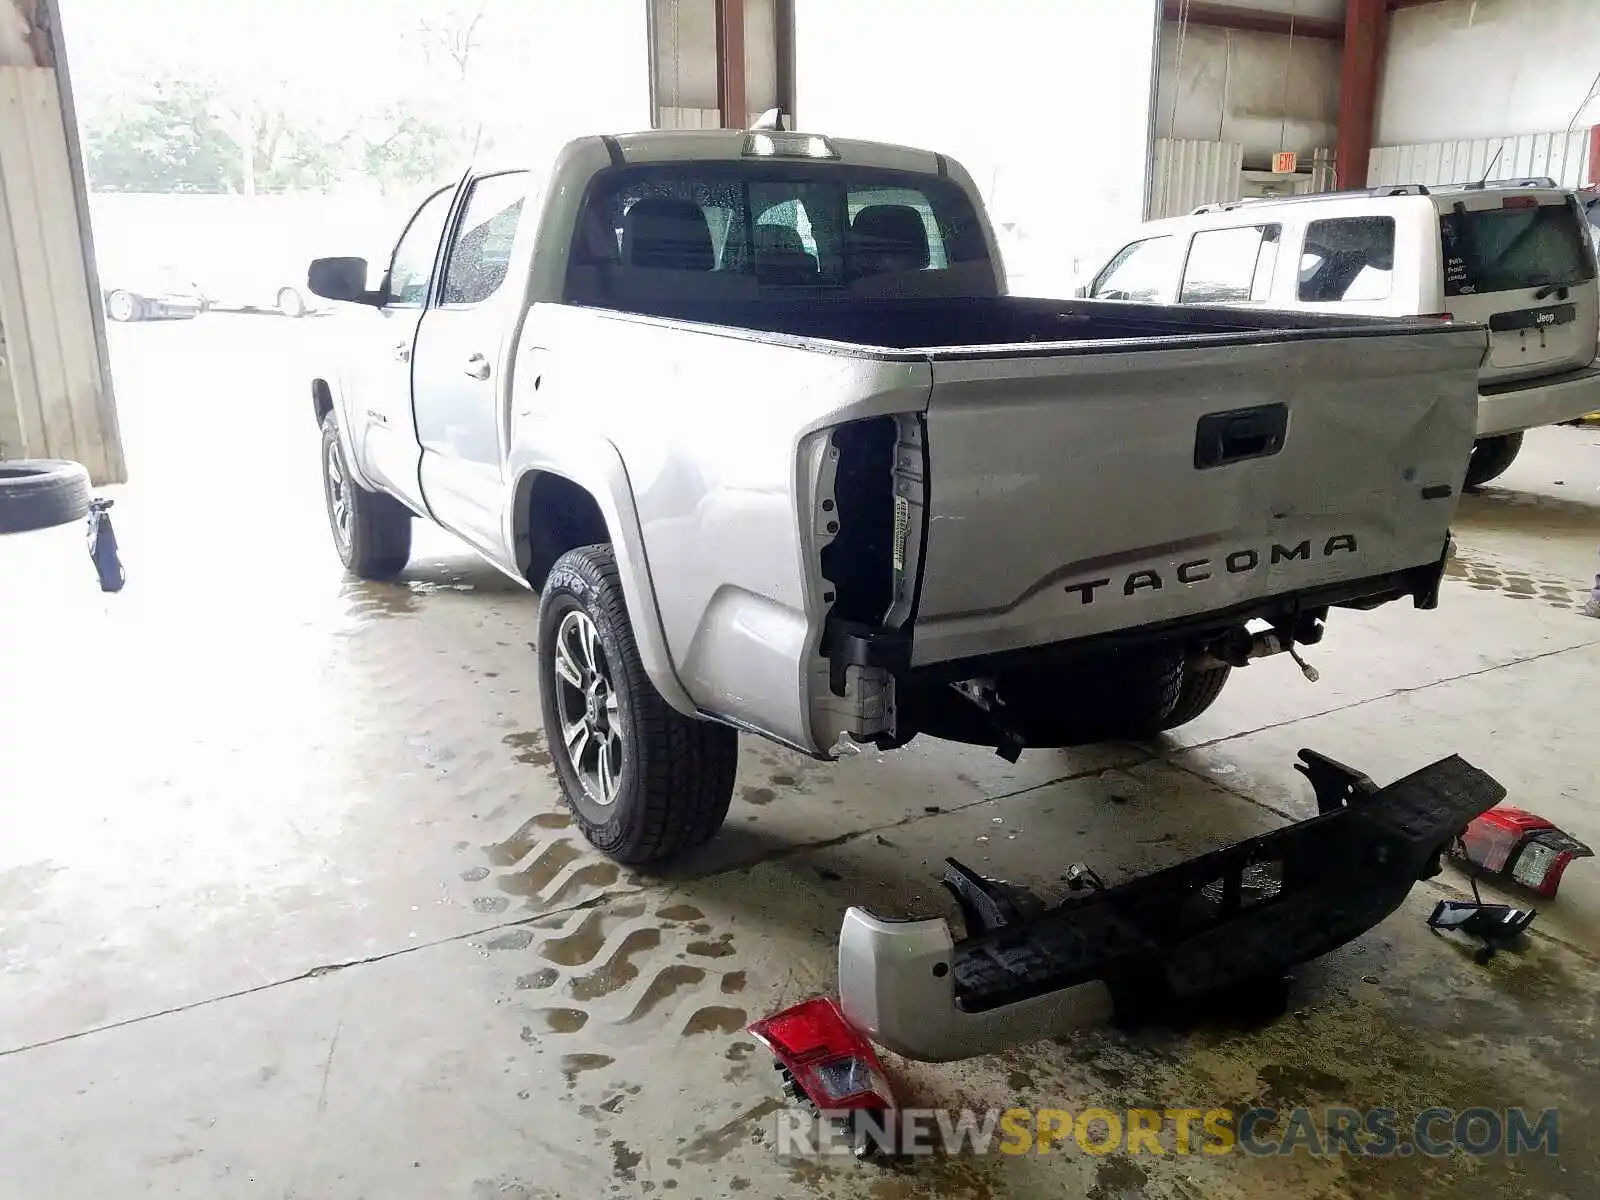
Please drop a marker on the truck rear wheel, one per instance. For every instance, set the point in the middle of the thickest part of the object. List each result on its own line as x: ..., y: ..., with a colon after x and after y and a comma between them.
x: 371, y: 531
x: 644, y: 781
x: 1490, y: 458
x: 1199, y: 691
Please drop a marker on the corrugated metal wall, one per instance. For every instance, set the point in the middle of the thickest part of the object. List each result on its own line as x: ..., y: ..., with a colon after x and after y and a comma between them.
x: 55, y: 398
x: 1564, y: 157
x: 1189, y: 173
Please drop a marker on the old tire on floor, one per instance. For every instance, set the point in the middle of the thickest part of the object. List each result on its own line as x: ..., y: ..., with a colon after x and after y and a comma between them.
x: 1199, y: 691
x: 39, y: 493
x: 371, y: 531
x: 644, y: 781
x: 1491, y: 456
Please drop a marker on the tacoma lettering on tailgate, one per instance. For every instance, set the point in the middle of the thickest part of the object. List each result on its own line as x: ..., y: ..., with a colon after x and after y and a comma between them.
x: 1198, y: 570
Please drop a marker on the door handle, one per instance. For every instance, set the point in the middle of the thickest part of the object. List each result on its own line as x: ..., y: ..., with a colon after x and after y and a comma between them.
x: 478, y: 367
x: 402, y: 351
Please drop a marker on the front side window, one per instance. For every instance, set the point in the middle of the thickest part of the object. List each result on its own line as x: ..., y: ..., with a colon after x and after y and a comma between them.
x: 755, y: 230
x: 1347, y: 259
x: 1142, y: 271
x: 411, y: 266
x: 1230, y: 266
x: 481, y: 252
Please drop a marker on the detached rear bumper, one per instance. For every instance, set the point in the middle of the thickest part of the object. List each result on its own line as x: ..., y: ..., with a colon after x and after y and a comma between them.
x: 1532, y: 403
x: 1246, y: 912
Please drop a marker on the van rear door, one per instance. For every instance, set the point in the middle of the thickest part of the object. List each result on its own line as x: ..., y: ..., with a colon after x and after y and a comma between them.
x: 1520, y: 262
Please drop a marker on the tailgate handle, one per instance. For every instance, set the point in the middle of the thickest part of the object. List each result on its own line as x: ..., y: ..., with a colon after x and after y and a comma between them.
x: 1228, y: 437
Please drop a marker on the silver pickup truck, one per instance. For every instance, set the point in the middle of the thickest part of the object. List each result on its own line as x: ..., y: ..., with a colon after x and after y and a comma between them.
x: 755, y: 415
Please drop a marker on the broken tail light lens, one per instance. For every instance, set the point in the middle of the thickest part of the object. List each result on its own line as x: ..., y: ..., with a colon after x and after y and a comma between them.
x: 830, y: 1061
x: 1523, y: 847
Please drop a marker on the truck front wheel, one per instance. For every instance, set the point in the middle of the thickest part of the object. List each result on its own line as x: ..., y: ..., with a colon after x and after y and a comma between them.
x: 371, y: 531
x: 644, y: 781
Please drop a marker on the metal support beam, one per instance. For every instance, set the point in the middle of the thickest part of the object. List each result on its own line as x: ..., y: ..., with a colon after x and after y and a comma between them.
x: 783, y: 13
x: 730, y: 64
x: 1252, y: 20
x: 1364, y: 28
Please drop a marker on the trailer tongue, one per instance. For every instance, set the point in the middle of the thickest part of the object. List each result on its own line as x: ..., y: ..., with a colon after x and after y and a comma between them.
x: 1233, y: 917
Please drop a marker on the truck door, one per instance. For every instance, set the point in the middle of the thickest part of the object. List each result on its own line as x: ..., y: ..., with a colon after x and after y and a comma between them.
x: 459, y: 369
x: 386, y: 437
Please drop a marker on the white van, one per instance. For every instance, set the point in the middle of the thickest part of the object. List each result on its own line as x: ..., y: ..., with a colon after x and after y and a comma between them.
x: 1515, y: 256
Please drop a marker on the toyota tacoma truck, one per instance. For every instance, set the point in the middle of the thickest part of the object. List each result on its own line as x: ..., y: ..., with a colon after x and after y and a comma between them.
x: 755, y: 415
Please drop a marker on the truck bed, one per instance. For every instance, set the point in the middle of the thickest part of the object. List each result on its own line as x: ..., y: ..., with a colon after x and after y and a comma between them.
x: 994, y: 323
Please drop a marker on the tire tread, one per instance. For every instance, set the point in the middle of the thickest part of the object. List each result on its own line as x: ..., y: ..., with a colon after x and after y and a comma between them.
x: 682, y: 797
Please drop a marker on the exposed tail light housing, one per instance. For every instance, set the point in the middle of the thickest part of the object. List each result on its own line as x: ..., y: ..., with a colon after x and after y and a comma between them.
x: 830, y: 1064
x: 1520, y: 846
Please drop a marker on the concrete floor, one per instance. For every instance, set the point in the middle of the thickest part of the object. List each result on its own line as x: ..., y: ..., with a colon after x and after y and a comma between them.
x: 289, y: 905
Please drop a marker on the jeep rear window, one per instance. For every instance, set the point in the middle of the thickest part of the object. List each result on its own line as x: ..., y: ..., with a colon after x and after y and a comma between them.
x: 1507, y: 249
x: 658, y: 236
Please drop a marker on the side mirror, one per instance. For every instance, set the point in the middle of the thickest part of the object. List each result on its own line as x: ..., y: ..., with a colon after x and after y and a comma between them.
x: 341, y: 279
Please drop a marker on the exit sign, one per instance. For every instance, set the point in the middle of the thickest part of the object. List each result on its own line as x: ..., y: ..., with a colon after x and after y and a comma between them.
x: 1283, y: 162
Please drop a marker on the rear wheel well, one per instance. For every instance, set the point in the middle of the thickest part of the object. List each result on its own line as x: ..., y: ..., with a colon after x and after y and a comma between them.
x: 554, y: 515
x: 321, y: 399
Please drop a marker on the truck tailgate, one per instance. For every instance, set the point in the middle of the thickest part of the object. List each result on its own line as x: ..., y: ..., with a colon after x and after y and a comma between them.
x: 1077, y: 490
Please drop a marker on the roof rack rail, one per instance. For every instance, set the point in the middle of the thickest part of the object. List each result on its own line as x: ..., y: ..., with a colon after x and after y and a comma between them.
x: 1521, y: 181
x: 1389, y: 189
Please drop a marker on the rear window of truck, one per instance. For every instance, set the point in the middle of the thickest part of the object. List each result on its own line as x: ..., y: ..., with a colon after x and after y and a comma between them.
x: 1512, y: 248
x: 718, y: 232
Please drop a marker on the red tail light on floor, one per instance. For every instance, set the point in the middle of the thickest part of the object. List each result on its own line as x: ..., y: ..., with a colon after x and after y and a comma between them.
x: 1511, y: 843
x: 830, y: 1062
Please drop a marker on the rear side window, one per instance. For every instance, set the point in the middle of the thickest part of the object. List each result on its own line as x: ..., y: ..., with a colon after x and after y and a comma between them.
x: 1142, y: 271
x: 1228, y: 266
x: 1349, y: 258
x: 1506, y: 249
x: 660, y: 235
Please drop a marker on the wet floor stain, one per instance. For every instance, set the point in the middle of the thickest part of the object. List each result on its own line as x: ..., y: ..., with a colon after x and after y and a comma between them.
x: 579, y: 946
x: 624, y: 1160
x: 733, y: 983
x: 618, y: 971
x: 680, y: 912
x: 521, y: 843
x: 528, y: 747
x: 541, y: 873
x: 716, y: 1019
x: 1118, y: 1178
x: 1487, y: 574
x: 490, y: 904
x: 669, y: 981
x: 378, y: 600
x: 562, y: 1020
x: 475, y: 874
x: 721, y: 948
x: 759, y: 796
x: 573, y: 1065
x: 717, y: 1144
x: 537, y: 980
x: 512, y: 939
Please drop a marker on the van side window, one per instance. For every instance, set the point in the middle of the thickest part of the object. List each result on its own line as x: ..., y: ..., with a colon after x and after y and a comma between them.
x: 1140, y: 271
x: 1229, y: 266
x: 1351, y: 258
